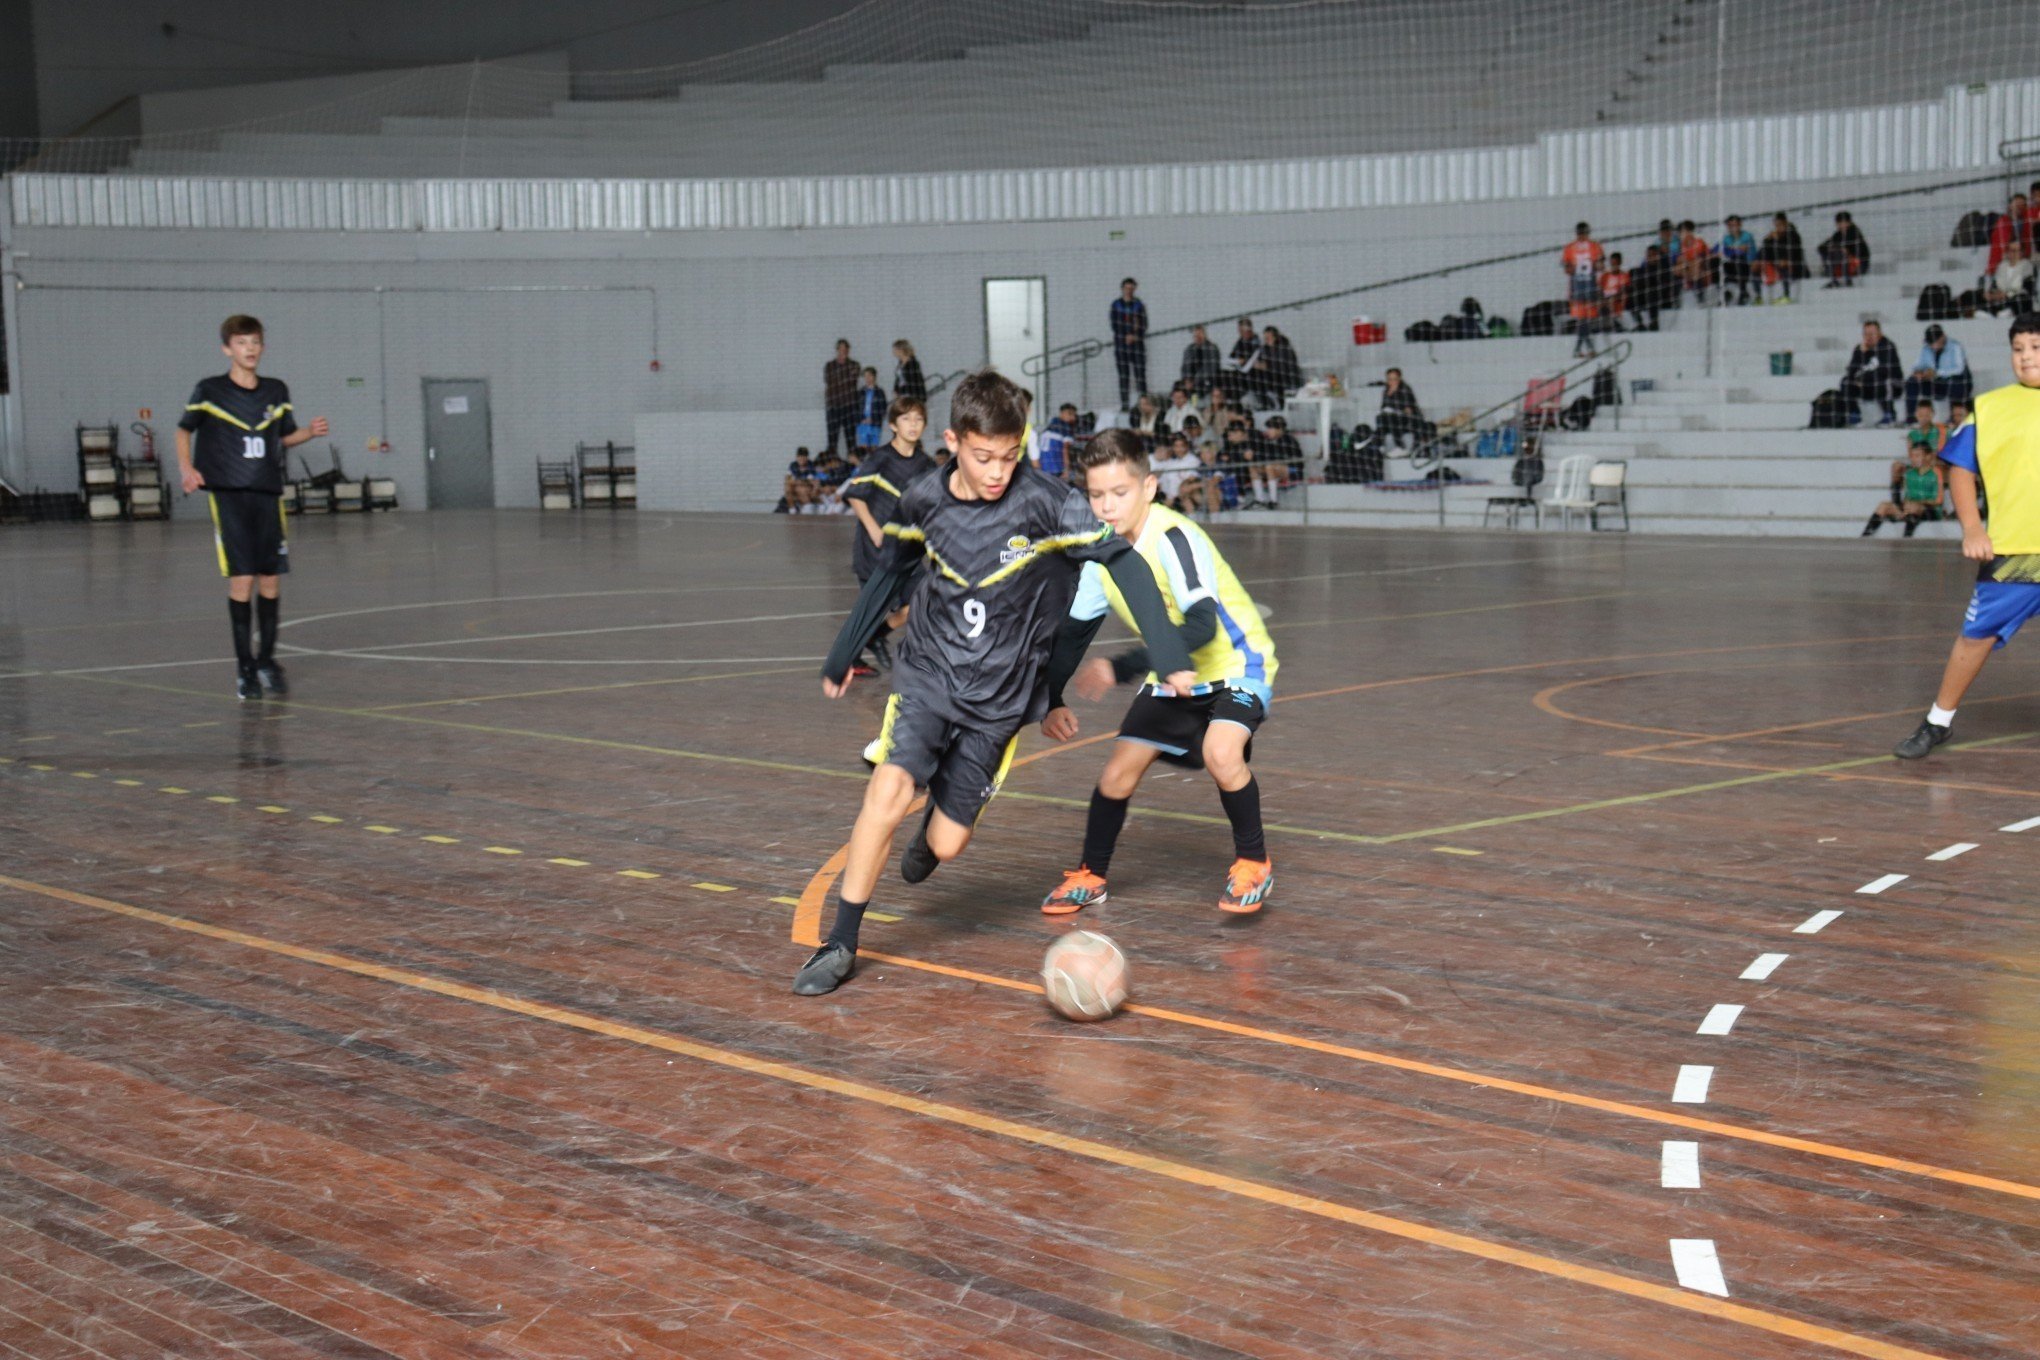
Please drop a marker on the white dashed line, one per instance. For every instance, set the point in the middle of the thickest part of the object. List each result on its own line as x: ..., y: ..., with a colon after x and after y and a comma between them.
x: 1697, y: 1265
x: 1765, y: 964
x: 2026, y: 825
x: 1721, y: 1019
x: 1959, y: 848
x: 1680, y: 1169
x: 1816, y: 923
x: 1691, y: 1087
x: 1878, y: 885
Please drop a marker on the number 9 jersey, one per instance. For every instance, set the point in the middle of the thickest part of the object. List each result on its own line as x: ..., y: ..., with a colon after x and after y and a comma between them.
x: 238, y: 432
x: 993, y: 592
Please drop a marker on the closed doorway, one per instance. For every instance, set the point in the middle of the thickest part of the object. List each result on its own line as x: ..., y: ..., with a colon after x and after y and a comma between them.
x: 1016, y: 332
x: 460, y: 460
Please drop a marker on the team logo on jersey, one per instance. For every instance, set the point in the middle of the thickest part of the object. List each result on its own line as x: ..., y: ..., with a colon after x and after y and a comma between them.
x: 1017, y: 547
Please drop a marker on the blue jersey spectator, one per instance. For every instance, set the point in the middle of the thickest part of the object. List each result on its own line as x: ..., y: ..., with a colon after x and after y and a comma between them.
x: 1738, y: 253
x: 1129, y: 342
x: 1941, y: 373
x: 1055, y: 440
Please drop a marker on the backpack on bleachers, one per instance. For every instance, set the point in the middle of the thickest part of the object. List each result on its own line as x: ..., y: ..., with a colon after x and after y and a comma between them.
x: 1539, y: 319
x: 1498, y: 328
x: 1421, y: 332
x: 1579, y: 414
x: 1830, y: 412
x: 1972, y: 231
x: 1936, y: 304
x: 1461, y: 327
x: 1606, y: 390
x: 1969, y: 304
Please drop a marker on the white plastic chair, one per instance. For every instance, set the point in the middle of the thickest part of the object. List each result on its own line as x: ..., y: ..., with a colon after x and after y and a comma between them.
x: 1608, y: 489
x: 1569, y: 491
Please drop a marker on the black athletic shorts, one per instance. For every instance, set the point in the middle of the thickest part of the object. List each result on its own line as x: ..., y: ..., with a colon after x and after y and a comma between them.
x: 960, y: 766
x: 1175, y: 726
x: 250, y: 532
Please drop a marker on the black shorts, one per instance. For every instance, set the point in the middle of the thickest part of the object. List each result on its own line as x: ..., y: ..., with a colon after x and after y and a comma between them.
x: 960, y: 766
x: 251, y: 534
x: 1176, y: 726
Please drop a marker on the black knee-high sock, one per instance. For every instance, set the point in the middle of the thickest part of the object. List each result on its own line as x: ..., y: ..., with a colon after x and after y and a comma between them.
x: 265, y: 628
x: 1243, y: 809
x: 1101, y: 830
x: 241, y: 612
x: 849, y: 918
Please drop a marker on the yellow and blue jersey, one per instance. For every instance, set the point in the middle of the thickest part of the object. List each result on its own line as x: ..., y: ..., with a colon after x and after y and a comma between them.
x: 2000, y: 442
x: 1188, y: 568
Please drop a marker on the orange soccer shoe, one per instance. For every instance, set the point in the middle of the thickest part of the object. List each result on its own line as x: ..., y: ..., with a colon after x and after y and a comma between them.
x: 1247, y: 885
x: 1080, y: 888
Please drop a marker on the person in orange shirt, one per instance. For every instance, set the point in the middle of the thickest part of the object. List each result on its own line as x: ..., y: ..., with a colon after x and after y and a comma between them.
x: 1581, y: 261
x: 1615, y: 292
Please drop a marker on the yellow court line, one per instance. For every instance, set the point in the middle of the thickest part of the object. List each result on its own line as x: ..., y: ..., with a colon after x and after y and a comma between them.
x: 1467, y: 1077
x: 382, y: 830
x: 1181, y: 1172
x: 637, y: 873
x: 500, y: 850
x: 713, y: 887
x: 570, y: 863
x: 324, y: 819
x: 441, y: 840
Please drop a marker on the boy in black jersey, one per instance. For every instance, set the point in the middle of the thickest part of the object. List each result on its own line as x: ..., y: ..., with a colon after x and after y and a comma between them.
x: 231, y: 442
x: 994, y: 548
x: 874, y: 493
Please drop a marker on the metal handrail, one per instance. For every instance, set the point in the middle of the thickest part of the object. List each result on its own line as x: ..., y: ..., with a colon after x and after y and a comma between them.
x: 947, y: 378
x: 1611, y: 358
x: 2009, y: 148
x: 1035, y: 365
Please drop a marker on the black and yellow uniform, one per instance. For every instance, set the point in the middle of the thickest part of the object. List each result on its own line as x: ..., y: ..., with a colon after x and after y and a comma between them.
x: 882, y: 478
x: 237, y: 436
x: 992, y: 584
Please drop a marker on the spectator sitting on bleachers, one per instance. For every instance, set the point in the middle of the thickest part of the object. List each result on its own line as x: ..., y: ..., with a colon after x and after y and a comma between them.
x: 1279, y: 447
x: 1175, y: 471
x: 1200, y: 362
x: 1781, y: 257
x: 831, y: 475
x: 1055, y: 440
x: 1919, y: 488
x: 1652, y: 288
x: 907, y: 379
x: 1873, y: 375
x: 1179, y: 409
x: 2015, y: 224
x: 1400, y: 418
x: 1738, y: 253
x: 1667, y: 241
x: 1694, y: 268
x: 1277, y: 372
x: 1845, y: 254
x: 802, y: 490
x: 2011, y: 285
x: 1940, y: 373
x: 1614, y: 293
x: 1232, y: 374
x: 1146, y: 420
x: 1236, y: 459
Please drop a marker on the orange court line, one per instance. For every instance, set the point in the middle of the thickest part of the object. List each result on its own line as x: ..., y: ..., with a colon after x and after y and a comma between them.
x: 1922, y: 783
x: 1832, y: 1151
x: 1793, y: 727
x: 1703, y: 1305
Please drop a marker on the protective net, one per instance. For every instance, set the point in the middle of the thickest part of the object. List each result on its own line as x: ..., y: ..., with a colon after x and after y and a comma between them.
x: 895, y: 86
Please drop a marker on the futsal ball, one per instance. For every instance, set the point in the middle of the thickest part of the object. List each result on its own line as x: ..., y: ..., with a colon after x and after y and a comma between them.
x: 1084, y: 975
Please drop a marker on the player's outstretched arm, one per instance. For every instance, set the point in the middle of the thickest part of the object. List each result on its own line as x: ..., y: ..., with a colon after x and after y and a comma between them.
x: 1136, y: 582
x: 1199, y: 626
x: 873, y: 604
x: 1067, y: 654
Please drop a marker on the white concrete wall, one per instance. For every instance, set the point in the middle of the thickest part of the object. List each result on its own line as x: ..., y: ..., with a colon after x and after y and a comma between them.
x: 718, y: 460
x: 110, y: 321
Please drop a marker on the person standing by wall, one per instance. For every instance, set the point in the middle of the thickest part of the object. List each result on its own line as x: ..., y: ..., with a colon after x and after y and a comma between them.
x: 839, y: 397
x: 1129, y: 342
x: 908, y: 382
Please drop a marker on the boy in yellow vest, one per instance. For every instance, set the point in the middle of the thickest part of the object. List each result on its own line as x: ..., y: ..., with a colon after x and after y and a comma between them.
x: 2000, y: 446
x: 1212, y: 726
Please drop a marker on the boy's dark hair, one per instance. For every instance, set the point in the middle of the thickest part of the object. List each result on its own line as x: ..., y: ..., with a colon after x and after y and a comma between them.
x: 802, y: 452
x: 988, y: 403
x: 1843, y: 217
x: 1581, y: 229
x: 2025, y: 323
x: 1615, y: 258
x: 1686, y: 225
x: 842, y: 344
x: 1664, y: 224
x: 901, y: 405
x: 239, y: 324
x: 872, y: 371
x: 1114, y: 446
x: 1133, y: 281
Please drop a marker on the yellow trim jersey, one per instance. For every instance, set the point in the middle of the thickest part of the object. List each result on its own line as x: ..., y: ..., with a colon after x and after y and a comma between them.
x: 237, y: 433
x: 1188, y: 568
x: 2000, y: 442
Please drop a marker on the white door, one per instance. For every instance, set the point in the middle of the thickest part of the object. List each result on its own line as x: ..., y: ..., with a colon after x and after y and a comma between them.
x: 1016, y: 331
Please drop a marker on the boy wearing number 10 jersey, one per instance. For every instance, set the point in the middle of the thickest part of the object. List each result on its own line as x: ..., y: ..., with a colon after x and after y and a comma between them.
x: 231, y: 442
x: 993, y: 547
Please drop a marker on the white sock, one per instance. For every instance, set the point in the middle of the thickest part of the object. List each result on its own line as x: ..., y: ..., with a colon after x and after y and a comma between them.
x: 1941, y: 717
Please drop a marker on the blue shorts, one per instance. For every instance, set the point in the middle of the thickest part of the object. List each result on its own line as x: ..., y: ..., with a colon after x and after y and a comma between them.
x: 1999, y: 608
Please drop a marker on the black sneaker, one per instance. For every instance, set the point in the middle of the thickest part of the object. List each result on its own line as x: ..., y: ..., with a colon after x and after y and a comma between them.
x: 271, y: 676
x: 918, y: 861
x: 1925, y: 738
x: 825, y: 971
x: 881, y: 652
x: 247, y: 686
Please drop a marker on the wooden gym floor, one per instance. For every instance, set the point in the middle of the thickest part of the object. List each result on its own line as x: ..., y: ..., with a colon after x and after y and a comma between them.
x: 1620, y: 997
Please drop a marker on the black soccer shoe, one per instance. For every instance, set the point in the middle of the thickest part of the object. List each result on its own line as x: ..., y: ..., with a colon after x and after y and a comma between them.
x: 918, y: 861
x: 825, y: 971
x: 272, y: 678
x: 1925, y: 738
x: 881, y: 652
x: 247, y: 686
